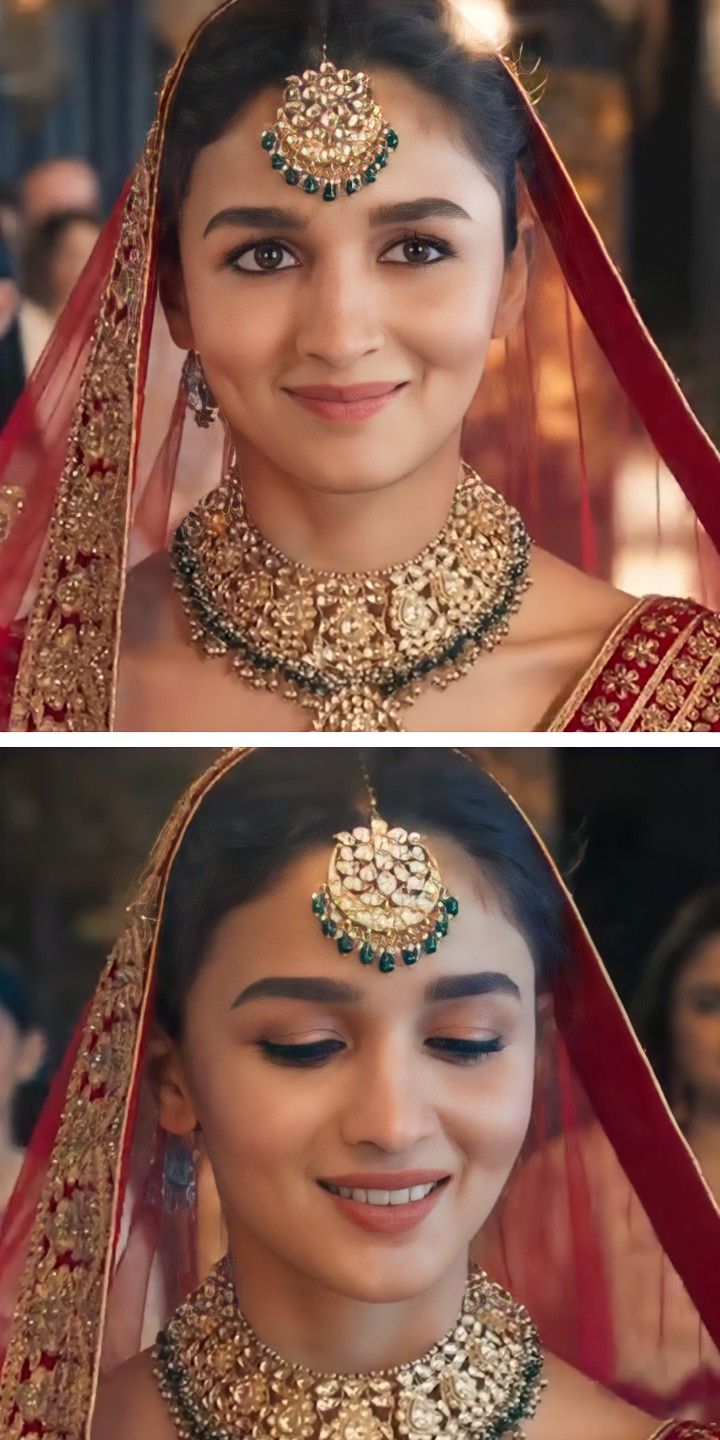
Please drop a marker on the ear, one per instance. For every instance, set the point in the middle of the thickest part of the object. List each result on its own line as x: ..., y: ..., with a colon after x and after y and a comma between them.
x: 177, y: 1112
x: 173, y: 298
x: 34, y: 1049
x: 513, y: 291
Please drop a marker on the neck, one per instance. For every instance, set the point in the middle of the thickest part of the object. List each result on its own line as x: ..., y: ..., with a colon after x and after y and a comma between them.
x: 330, y: 1333
x: 350, y: 529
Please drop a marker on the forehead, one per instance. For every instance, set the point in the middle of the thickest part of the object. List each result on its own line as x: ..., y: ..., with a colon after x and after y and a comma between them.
x: 432, y: 159
x: 277, y: 934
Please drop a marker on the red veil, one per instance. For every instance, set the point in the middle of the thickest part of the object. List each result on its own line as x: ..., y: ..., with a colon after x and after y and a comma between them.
x: 606, y: 1230
x: 578, y: 420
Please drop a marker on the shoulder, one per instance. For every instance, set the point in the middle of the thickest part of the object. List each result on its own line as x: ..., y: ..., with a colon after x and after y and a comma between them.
x: 129, y: 1404
x: 572, y: 1405
x: 566, y: 600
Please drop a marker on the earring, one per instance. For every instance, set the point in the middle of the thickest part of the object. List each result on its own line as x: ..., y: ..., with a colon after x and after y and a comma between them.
x: 199, y: 395
x: 179, y: 1174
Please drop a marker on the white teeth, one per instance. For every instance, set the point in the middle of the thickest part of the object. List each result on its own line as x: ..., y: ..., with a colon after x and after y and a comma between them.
x: 384, y: 1197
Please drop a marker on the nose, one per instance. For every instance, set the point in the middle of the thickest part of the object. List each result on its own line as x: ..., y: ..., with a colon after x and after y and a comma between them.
x: 340, y: 321
x: 390, y: 1105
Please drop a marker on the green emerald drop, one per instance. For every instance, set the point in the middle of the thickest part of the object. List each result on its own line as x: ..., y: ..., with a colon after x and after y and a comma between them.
x: 353, y: 184
x: 329, y: 928
x: 345, y: 944
x: 278, y: 162
x: 430, y: 944
x: 370, y: 175
x: 318, y: 905
x: 268, y: 139
x: 386, y: 962
x: 381, y: 159
x: 392, y: 140
x: 367, y: 954
x: 330, y: 191
x: 411, y: 954
x: 292, y: 176
x: 311, y: 185
x: 452, y: 905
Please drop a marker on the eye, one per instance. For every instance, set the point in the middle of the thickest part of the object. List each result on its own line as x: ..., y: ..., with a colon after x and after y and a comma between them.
x: 316, y: 1052
x: 266, y: 255
x: 465, y: 1052
x: 415, y: 250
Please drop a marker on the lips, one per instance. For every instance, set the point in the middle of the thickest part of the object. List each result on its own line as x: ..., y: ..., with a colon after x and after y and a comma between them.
x: 346, y: 394
x: 380, y: 1217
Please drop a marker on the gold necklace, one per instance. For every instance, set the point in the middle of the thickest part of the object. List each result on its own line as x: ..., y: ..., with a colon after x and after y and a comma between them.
x: 352, y: 648
x: 220, y: 1381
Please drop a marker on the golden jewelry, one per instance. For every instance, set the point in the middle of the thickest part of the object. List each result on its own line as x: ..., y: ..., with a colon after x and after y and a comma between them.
x: 384, y: 894
x: 329, y: 133
x: 353, y: 648
x: 218, y: 1379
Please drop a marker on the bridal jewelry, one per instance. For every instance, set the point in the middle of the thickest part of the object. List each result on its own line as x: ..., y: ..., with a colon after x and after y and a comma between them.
x: 218, y: 1379
x: 383, y: 895
x: 353, y: 648
x: 329, y: 134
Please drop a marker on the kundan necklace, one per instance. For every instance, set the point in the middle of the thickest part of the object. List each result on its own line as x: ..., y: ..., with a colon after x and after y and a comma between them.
x: 352, y: 648
x: 221, y: 1382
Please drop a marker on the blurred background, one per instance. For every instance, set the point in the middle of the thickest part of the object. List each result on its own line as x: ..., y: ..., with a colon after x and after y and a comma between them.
x: 630, y: 90
x: 635, y: 832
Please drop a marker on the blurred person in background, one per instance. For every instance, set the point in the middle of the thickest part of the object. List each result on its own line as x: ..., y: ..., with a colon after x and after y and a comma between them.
x: 55, y: 253
x: 22, y: 1051
x: 57, y: 186
x: 12, y: 372
x: 678, y: 1019
x: 10, y: 217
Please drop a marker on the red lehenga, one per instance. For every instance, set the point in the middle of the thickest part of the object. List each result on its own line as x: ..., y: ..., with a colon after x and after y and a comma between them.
x: 99, y: 463
x: 94, y: 1258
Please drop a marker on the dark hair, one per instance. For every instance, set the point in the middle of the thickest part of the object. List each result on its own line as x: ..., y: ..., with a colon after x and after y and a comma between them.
x: 277, y: 803
x: 41, y: 245
x: 695, y: 923
x: 257, y: 43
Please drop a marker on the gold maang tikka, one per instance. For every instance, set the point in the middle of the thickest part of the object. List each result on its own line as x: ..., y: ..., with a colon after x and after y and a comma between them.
x: 329, y: 134
x: 384, y: 894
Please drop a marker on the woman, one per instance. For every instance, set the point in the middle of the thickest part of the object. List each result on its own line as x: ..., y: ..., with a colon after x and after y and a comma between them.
x: 55, y: 254
x: 22, y: 1048
x: 313, y: 552
x: 678, y: 1019
x: 363, y: 1131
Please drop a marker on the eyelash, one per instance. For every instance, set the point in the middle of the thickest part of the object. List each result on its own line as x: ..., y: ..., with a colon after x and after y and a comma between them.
x: 447, y: 251
x: 460, y: 1052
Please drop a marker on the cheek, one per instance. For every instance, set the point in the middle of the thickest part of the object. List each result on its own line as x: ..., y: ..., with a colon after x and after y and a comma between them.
x: 696, y: 1039
x: 490, y: 1123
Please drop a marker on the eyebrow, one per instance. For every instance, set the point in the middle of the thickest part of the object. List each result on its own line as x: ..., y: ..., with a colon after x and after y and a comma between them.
x: 272, y: 217
x: 448, y: 987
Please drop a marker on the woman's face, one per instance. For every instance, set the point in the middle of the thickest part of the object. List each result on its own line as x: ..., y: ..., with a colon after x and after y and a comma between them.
x: 307, y: 1070
x: 695, y: 1025
x: 401, y: 284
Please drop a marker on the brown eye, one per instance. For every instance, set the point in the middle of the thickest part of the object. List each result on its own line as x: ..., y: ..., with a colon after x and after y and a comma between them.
x: 264, y: 258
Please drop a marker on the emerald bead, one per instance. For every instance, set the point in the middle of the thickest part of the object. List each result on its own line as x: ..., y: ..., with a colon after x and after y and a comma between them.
x: 441, y: 927
x: 381, y: 159
x: 268, y: 139
x: 318, y: 904
x: 311, y: 185
x: 411, y: 954
x: 430, y: 944
x: 370, y: 175
x: 353, y: 184
x: 292, y: 176
x: 330, y: 191
x: 278, y: 162
x: 329, y: 927
x: 386, y: 962
x: 345, y: 944
x: 391, y: 139
x: 452, y: 905
x: 367, y: 954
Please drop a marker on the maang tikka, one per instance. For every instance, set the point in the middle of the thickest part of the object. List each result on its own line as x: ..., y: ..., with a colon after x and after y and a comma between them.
x: 384, y: 894
x: 329, y: 133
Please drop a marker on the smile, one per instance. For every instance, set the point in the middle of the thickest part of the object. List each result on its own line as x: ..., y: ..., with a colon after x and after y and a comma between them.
x: 385, y: 1197
x: 343, y: 406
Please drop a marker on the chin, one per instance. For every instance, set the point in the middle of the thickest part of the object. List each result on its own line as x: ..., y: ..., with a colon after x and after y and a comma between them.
x: 389, y: 1276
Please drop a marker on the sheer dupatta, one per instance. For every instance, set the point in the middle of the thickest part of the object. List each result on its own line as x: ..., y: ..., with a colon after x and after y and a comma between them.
x: 95, y: 1255
x: 99, y: 462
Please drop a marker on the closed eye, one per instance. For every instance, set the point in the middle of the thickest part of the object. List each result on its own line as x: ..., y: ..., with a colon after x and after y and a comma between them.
x: 318, y: 1052
x: 267, y: 257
